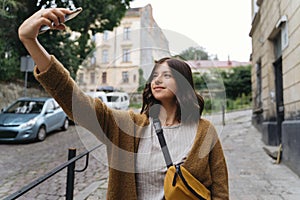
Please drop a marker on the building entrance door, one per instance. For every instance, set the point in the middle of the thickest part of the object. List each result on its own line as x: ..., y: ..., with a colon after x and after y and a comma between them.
x: 279, y: 95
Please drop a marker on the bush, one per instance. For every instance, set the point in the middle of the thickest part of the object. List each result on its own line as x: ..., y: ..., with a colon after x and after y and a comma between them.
x: 215, y: 105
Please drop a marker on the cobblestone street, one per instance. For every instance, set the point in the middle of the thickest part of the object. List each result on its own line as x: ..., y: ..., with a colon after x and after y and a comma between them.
x: 252, y: 173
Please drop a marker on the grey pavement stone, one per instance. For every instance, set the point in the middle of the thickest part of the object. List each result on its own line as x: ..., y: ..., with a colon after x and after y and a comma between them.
x: 91, y: 190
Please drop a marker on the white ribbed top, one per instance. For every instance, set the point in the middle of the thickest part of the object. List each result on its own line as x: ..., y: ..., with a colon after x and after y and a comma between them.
x: 151, y: 166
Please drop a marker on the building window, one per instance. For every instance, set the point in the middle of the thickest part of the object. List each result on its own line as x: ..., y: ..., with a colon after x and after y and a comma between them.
x: 80, y: 78
x: 104, y: 56
x: 255, y: 5
x: 258, y: 98
x: 126, y: 34
x: 104, y: 77
x: 93, y: 77
x: 126, y: 55
x: 105, y: 35
x: 50, y: 106
x: 284, y: 36
x: 277, y: 46
x: 125, y: 77
x: 134, y: 78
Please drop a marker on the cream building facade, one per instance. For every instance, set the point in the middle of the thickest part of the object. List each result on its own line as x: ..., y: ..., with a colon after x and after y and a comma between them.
x: 125, y: 54
x: 275, y: 37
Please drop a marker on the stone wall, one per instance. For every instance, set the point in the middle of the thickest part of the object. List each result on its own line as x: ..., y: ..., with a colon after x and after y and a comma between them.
x: 9, y: 92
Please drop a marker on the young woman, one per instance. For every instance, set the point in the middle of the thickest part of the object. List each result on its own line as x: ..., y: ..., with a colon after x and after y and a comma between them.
x: 136, y: 163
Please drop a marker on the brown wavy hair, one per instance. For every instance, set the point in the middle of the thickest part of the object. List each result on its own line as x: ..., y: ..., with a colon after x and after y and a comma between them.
x: 189, y: 103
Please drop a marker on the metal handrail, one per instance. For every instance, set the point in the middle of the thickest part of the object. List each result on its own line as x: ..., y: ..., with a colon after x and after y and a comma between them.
x: 71, y: 161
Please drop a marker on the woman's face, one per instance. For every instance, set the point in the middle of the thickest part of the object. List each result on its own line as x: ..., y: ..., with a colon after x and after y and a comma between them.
x: 163, y: 84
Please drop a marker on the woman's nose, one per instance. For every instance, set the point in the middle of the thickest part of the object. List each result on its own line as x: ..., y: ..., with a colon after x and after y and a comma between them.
x: 157, y: 80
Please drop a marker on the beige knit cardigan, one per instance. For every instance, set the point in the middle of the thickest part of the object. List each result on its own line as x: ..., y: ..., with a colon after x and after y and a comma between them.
x: 119, y: 130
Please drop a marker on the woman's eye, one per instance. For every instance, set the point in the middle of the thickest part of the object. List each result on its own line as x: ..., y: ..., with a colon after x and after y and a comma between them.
x: 168, y: 75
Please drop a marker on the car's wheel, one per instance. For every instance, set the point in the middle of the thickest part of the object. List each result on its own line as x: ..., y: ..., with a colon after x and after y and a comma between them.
x: 41, y: 135
x: 65, y: 126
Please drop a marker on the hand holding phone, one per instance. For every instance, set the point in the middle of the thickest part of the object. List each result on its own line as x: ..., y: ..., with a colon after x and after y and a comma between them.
x: 68, y: 17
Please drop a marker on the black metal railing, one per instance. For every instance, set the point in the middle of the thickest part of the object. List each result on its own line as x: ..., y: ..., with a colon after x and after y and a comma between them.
x: 70, y: 164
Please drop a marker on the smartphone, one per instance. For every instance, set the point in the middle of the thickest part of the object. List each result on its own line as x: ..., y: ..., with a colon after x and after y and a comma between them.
x: 68, y: 17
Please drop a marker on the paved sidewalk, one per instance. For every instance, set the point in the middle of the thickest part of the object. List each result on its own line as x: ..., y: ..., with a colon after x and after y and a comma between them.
x: 252, y: 173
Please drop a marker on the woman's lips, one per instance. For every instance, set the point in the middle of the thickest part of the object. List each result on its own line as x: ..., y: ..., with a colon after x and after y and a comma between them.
x: 158, y: 88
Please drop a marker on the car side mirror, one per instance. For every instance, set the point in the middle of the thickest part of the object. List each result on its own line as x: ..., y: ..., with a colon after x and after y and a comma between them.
x: 49, y: 111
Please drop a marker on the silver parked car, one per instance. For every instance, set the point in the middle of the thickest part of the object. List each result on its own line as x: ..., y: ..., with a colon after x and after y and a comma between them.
x: 31, y: 119
x: 118, y: 100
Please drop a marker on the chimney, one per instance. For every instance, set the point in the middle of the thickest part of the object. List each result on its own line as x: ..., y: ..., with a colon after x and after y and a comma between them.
x: 228, y: 61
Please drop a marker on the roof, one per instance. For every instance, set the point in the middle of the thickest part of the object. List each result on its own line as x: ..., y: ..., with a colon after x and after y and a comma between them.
x: 116, y: 93
x: 136, y: 12
x: 133, y: 12
x: 198, y: 64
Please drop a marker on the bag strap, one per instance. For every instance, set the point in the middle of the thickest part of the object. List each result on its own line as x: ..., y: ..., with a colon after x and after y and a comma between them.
x: 162, y: 142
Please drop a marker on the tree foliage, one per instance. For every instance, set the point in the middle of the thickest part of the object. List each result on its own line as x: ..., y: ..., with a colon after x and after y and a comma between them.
x: 97, y: 16
x: 236, y: 82
x: 9, y: 62
x: 194, y: 53
x: 142, y: 81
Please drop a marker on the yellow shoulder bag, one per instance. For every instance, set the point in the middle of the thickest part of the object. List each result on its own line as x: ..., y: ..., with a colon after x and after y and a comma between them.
x: 179, y: 184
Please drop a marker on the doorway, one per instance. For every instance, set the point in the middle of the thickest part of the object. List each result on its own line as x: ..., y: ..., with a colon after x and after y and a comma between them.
x: 279, y: 95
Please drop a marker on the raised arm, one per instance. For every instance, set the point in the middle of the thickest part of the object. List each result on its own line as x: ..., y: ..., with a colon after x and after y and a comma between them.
x: 29, y: 30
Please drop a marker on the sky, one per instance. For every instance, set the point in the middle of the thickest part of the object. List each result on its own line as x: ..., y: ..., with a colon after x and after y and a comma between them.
x: 221, y: 27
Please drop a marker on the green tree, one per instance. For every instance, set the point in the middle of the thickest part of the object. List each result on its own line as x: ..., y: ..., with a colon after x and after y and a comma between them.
x: 194, y: 53
x: 238, y: 82
x: 237, y: 85
x: 142, y: 81
x: 97, y: 16
x: 200, y: 81
x: 9, y: 58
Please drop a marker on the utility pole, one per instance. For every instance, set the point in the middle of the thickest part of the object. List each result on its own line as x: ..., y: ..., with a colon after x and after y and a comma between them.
x: 27, y: 65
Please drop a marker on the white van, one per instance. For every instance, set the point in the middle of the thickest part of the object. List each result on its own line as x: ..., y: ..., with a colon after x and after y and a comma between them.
x: 118, y: 100
x: 100, y: 95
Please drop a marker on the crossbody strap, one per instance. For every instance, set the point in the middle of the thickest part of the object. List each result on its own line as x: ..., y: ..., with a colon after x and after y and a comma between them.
x: 162, y: 142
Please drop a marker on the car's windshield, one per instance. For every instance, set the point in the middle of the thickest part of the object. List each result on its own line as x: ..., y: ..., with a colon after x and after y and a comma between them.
x: 24, y: 107
x: 112, y: 98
